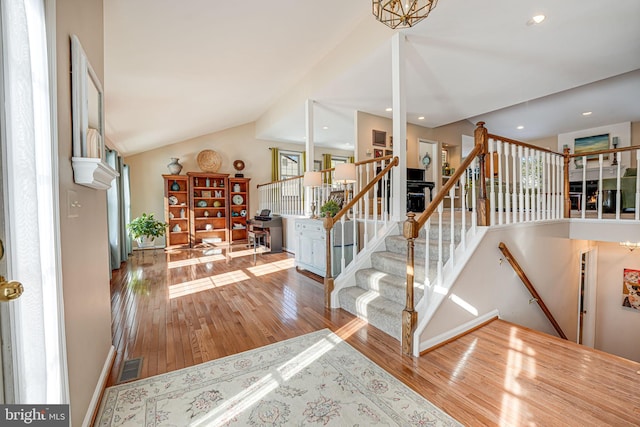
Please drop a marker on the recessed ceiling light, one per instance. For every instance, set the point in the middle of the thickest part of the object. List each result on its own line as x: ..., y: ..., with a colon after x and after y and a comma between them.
x: 587, y: 113
x: 389, y: 109
x: 325, y: 127
x: 536, y: 19
x: 520, y: 127
x: 421, y: 118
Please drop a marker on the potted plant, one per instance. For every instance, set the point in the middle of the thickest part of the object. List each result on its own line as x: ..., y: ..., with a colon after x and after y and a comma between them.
x: 145, y: 228
x: 330, y: 208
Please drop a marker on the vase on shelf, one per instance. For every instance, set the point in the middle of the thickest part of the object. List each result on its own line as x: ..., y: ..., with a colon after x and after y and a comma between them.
x: 175, y: 186
x: 174, y: 167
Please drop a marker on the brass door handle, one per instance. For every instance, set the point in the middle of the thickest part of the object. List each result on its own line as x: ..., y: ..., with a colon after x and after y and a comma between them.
x: 10, y: 290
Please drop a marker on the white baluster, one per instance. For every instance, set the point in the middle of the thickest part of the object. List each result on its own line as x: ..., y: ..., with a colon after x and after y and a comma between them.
x: 522, y: 185
x: 452, y: 243
x: 492, y: 193
x: 637, y: 204
x: 427, y: 264
x: 584, y: 186
x: 439, y: 264
x: 507, y: 184
x: 499, y: 184
x: 474, y: 195
x: 464, y: 188
x: 599, y: 198
x: 618, y: 192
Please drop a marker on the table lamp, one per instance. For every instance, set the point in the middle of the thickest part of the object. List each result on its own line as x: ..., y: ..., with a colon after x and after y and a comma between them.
x: 345, y: 173
x: 312, y: 180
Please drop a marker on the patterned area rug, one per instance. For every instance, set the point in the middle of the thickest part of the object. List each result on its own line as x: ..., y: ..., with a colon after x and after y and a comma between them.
x: 315, y: 379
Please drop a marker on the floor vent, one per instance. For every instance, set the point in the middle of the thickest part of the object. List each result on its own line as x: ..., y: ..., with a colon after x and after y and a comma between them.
x: 130, y: 370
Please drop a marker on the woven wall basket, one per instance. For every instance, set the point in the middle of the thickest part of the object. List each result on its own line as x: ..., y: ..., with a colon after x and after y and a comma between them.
x: 209, y: 161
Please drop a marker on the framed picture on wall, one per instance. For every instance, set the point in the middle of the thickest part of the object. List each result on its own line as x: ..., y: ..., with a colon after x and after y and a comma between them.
x: 317, y: 165
x: 378, y: 153
x: 388, y: 152
x: 391, y: 141
x: 379, y: 138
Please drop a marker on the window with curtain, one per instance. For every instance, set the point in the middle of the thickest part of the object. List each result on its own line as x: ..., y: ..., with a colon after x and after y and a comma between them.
x: 290, y: 166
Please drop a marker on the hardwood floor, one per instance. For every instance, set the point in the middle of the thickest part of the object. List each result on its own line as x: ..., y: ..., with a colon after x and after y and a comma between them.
x: 186, y: 307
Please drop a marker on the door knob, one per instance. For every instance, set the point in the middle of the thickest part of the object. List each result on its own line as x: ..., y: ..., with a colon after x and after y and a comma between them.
x: 10, y: 290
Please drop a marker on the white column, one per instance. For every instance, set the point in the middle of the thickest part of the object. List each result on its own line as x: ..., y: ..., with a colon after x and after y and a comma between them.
x: 309, y: 146
x: 399, y: 188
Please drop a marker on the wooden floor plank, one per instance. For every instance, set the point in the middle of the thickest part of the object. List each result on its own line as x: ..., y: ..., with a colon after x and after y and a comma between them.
x: 500, y: 374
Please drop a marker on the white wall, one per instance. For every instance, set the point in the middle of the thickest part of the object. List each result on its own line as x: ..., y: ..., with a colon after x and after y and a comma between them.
x: 617, y: 327
x: 621, y: 130
x: 146, y: 169
x: 547, y: 256
x: 85, y: 250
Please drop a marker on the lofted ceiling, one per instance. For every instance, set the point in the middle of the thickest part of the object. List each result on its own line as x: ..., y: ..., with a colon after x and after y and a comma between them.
x: 178, y: 70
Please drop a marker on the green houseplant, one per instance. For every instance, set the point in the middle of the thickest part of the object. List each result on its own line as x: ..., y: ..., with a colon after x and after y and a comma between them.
x: 330, y: 208
x: 145, y: 228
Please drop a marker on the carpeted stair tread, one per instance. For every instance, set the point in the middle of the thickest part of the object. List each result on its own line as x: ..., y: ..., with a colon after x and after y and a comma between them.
x: 398, y: 244
x: 382, y: 313
x: 387, y: 285
x: 393, y: 263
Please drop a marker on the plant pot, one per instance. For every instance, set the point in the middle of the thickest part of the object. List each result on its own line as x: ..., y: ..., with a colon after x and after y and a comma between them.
x: 146, y: 242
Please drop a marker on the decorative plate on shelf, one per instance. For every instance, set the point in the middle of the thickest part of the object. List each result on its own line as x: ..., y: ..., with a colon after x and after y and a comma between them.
x: 173, y: 200
x: 209, y: 161
x: 237, y: 199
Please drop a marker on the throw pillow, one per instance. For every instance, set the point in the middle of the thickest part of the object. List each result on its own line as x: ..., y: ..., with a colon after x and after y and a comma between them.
x: 631, y: 172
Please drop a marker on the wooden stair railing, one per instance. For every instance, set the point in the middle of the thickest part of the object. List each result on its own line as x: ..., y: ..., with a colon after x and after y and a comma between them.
x: 532, y: 290
x: 329, y: 222
x: 412, y: 226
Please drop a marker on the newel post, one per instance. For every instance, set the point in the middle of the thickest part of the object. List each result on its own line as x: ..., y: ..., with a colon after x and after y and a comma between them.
x: 328, y: 276
x: 483, y: 205
x: 567, y: 199
x: 409, y: 316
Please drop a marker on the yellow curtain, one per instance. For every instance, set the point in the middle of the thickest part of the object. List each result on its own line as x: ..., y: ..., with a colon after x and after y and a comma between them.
x: 351, y: 159
x: 275, y: 164
x: 304, y: 162
x: 326, y: 164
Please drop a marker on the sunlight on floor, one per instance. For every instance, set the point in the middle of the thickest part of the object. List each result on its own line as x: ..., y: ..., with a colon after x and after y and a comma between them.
x: 463, y: 360
x: 195, y: 261
x: 350, y: 328
x: 272, y: 267
x: 216, y: 281
x: 243, y: 401
x: 521, y: 364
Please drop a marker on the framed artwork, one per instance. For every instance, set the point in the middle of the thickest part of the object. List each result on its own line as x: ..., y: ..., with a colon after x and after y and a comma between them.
x: 378, y: 153
x: 589, y: 144
x: 317, y: 165
x: 379, y: 138
x: 631, y: 289
x: 206, y: 193
x: 445, y: 156
x: 391, y: 141
x: 388, y: 152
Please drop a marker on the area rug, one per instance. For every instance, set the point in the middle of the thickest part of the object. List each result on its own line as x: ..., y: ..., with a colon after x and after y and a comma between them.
x: 316, y: 379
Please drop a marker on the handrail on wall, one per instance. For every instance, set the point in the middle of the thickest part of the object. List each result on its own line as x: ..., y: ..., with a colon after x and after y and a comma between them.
x: 536, y: 296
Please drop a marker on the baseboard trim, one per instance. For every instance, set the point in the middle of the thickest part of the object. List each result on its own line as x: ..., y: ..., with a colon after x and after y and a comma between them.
x: 457, y: 332
x: 89, y: 417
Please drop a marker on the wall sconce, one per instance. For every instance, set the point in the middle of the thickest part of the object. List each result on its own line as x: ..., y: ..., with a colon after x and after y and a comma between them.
x: 312, y: 180
x: 630, y: 245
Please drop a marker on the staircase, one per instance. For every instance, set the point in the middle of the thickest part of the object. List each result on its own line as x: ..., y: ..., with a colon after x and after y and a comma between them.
x: 379, y: 293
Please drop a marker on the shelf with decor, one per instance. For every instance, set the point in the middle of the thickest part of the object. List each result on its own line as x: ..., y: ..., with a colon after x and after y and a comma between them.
x: 209, y: 207
x: 238, y: 208
x: 176, y: 210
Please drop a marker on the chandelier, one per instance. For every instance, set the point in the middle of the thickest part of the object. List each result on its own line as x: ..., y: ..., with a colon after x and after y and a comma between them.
x: 402, y: 13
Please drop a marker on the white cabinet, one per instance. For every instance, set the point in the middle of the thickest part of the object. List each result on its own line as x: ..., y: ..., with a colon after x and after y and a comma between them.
x: 311, y: 246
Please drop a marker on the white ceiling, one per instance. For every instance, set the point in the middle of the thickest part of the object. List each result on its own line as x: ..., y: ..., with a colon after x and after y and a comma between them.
x: 177, y: 70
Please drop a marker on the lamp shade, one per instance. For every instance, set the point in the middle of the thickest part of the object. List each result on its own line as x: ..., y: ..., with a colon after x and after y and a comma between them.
x: 345, y: 173
x: 312, y: 179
